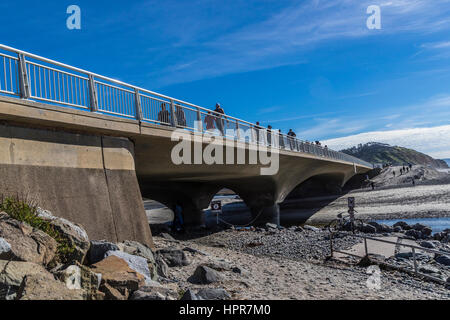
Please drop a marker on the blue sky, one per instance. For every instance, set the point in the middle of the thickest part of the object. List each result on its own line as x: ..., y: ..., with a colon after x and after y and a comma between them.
x: 312, y: 66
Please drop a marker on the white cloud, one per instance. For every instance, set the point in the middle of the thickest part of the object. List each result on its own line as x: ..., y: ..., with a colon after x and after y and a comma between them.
x: 434, y: 141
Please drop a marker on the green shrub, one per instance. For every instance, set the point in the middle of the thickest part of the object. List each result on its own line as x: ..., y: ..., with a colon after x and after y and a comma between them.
x: 26, y: 211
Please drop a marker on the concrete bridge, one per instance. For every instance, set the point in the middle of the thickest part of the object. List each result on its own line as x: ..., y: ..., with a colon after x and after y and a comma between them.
x: 88, y: 148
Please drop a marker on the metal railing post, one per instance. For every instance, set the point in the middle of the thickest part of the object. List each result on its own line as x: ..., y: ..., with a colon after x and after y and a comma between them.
x: 238, y: 135
x: 415, y: 261
x: 25, y: 91
x: 137, y: 98
x: 173, y: 115
x: 93, y: 94
x: 199, y: 120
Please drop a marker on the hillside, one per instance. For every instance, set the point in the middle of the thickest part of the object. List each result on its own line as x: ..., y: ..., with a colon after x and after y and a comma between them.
x: 375, y: 152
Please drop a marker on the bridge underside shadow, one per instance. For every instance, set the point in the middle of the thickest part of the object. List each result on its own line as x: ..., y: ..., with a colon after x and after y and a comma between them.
x: 194, y: 186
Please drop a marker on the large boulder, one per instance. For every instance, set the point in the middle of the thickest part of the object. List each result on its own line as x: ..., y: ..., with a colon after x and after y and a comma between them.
x: 12, y: 274
x: 41, y: 287
x: 213, y: 294
x: 137, y: 249
x: 5, y: 250
x: 79, y: 277
x: 135, y: 263
x: 118, y: 275
x: 73, y: 233
x: 155, y: 293
x: 427, y: 244
x: 98, y: 250
x: 415, y: 234
x: 419, y: 226
x: 206, y: 275
x: 26, y: 243
x: 367, y: 228
x: 174, y: 257
x: 426, y: 232
x: 403, y: 225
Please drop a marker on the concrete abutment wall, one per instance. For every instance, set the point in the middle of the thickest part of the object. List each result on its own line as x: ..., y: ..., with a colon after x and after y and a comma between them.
x: 88, y: 179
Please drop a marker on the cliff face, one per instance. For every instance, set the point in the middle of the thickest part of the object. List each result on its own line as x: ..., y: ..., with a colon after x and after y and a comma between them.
x: 375, y: 152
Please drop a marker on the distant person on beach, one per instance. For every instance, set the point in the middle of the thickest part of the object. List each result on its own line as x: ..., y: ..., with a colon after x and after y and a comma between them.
x: 393, y: 172
x: 178, y: 221
x: 372, y: 185
x: 401, y: 171
x: 164, y: 115
x: 414, y: 182
x: 410, y: 166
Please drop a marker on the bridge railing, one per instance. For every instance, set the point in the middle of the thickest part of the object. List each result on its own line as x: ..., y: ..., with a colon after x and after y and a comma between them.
x: 29, y: 76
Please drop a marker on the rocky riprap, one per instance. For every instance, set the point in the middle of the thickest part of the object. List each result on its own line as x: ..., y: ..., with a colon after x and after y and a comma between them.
x: 34, y: 266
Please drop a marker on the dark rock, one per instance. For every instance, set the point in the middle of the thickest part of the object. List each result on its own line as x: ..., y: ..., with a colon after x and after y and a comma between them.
x: 137, y: 249
x: 403, y: 225
x: 206, y: 275
x: 155, y: 293
x: 428, y: 269
x: 190, y: 295
x: 213, y: 294
x: 298, y: 229
x: 167, y: 236
x: 174, y: 257
x: 414, y: 234
x: 426, y: 231
x: 444, y: 260
x: 427, y: 244
x: 367, y: 228
x: 398, y: 229
x: 419, y: 226
x: 162, y: 268
x: 98, y: 250
x: 195, y: 251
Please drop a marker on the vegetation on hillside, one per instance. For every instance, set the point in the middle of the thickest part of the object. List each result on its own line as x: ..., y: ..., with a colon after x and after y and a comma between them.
x: 376, y: 152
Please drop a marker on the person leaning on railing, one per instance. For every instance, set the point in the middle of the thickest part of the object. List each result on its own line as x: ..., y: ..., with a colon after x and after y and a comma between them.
x: 209, y: 122
x: 291, y: 136
x: 164, y: 115
x: 181, y: 117
x: 219, y: 121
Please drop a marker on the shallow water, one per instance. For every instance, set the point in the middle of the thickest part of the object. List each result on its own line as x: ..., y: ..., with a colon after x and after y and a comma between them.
x: 436, y: 224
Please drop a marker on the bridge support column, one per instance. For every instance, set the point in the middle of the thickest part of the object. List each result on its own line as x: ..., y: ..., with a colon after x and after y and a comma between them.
x: 263, y: 215
x: 194, y: 217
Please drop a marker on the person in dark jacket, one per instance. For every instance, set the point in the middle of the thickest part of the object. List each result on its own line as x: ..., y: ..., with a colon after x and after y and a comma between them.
x: 181, y: 117
x: 164, y: 115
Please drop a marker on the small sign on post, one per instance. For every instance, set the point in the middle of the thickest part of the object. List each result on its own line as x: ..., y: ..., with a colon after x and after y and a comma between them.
x: 216, y: 207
